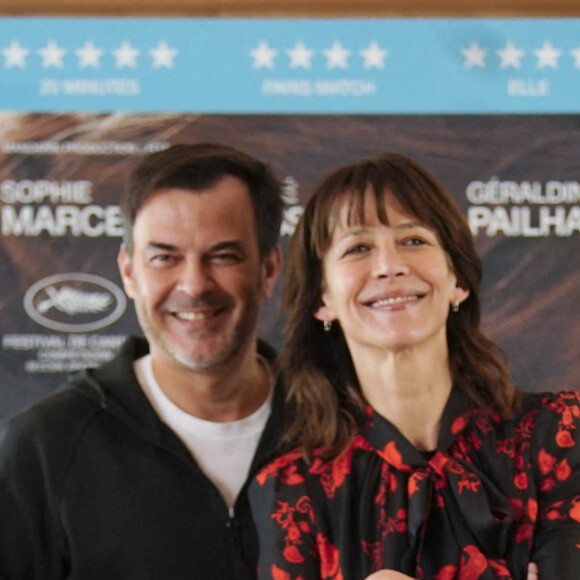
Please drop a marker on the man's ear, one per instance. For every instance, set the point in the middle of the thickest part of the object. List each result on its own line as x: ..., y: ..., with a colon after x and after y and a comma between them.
x: 124, y: 263
x: 271, y: 267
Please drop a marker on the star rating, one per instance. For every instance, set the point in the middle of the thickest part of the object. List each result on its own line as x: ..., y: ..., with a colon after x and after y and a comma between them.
x: 374, y: 56
x: 510, y: 56
x: 89, y: 55
x: 300, y: 56
x: 163, y: 56
x: 15, y: 55
x: 336, y: 56
x: 263, y: 56
x: 126, y: 56
x: 52, y: 55
x: 474, y: 56
x: 547, y: 56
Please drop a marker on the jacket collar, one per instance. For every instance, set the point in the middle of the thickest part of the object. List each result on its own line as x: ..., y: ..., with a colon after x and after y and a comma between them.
x: 115, y: 387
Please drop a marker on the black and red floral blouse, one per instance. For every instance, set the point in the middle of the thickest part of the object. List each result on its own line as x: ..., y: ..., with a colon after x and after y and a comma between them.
x: 493, y: 496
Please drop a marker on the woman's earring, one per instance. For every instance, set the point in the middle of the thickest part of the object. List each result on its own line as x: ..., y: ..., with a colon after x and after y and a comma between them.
x: 455, y: 307
x: 327, y: 325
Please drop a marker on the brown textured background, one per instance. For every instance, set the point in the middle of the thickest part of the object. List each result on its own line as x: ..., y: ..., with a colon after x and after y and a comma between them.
x: 530, y: 285
x: 293, y: 7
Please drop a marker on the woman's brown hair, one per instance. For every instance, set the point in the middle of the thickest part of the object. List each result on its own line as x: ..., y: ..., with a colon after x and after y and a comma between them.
x: 324, y: 398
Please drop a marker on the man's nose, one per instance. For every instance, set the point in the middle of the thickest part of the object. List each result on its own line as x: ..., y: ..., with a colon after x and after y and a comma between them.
x: 194, y: 277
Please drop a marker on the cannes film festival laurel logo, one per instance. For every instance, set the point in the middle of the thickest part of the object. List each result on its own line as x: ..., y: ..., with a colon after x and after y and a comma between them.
x: 74, y: 302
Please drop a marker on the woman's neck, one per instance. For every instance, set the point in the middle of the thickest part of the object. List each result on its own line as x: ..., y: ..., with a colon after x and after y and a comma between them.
x: 410, y: 388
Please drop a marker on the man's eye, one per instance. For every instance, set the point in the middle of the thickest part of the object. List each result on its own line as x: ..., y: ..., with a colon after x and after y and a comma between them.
x: 162, y: 259
x: 227, y: 258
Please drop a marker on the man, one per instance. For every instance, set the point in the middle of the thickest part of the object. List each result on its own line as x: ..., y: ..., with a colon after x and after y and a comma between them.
x: 138, y: 469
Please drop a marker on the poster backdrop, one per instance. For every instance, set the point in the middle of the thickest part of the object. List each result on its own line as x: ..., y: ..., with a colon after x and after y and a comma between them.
x: 490, y: 107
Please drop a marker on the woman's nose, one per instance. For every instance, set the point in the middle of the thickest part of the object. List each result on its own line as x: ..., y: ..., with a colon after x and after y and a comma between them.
x: 389, y: 261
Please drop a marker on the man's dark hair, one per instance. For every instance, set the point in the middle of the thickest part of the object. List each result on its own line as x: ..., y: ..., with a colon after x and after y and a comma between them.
x: 199, y: 166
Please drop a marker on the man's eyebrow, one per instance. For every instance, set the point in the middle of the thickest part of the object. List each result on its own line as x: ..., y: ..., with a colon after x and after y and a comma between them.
x: 161, y: 246
x: 228, y: 245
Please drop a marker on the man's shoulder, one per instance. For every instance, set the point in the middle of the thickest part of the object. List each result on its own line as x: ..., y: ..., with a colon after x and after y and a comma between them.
x: 50, y: 421
x: 56, y: 418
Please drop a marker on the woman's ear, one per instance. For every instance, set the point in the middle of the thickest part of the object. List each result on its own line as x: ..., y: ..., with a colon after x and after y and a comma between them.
x: 460, y: 294
x: 325, y: 312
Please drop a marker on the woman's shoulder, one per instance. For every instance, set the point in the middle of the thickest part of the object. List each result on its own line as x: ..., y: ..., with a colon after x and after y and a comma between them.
x: 545, y: 420
x: 296, y: 467
x: 556, y: 421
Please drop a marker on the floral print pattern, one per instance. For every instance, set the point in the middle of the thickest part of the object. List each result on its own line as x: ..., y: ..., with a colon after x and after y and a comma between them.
x: 493, y: 496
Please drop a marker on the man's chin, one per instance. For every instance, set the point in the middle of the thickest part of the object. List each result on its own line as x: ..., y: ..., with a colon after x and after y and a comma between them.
x: 200, y: 361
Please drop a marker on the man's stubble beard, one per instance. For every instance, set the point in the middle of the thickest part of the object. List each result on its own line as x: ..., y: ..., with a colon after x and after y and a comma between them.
x: 233, y: 344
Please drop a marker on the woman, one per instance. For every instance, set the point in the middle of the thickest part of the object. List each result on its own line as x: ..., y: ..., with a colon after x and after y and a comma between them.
x: 412, y: 450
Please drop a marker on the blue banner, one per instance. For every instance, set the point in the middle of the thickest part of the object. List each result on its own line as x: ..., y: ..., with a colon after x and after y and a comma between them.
x: 363, y: 66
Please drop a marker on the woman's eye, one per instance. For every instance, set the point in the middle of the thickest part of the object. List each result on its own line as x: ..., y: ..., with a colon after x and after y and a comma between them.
x: 358, y: 249
x: 414, y: 241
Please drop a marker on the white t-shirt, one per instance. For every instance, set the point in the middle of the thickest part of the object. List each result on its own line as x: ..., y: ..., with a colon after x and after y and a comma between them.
x: 223, y: 451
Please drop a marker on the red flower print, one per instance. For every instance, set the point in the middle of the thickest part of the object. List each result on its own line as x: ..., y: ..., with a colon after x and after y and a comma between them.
x: 482, y: 422
x: 279, y: 574
x: 567, y: 418
x: 401, y: 522
x: 547, y: 484
x: 553, y: 515
x: 575, y: 509
x: 414, y: 480
x: 532, y: 509
x: 374, y: 550
x: 524, y: 532
x: 392, y: 482
x: 501, y: 570
x: 564, y: 439
x: 528, y: 513
x: 446, y: 573
x: 438, y: 462
x: 517, y: 506
x: 329, y: 558
x: 563, y: 470
x: 333, y: 473
x: 506, y: 446
x: 473, y: 567
x: 553, y: 512
x: 304, y: 506
x: 291, y: 477
x: 281, y: 463
x: 546, y: 461
x: 470, y: 482
x: 458, y: 425
x: 292, y: 554
x: 521, y: 481
x: 284, y: 515
x: 392, y: 456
